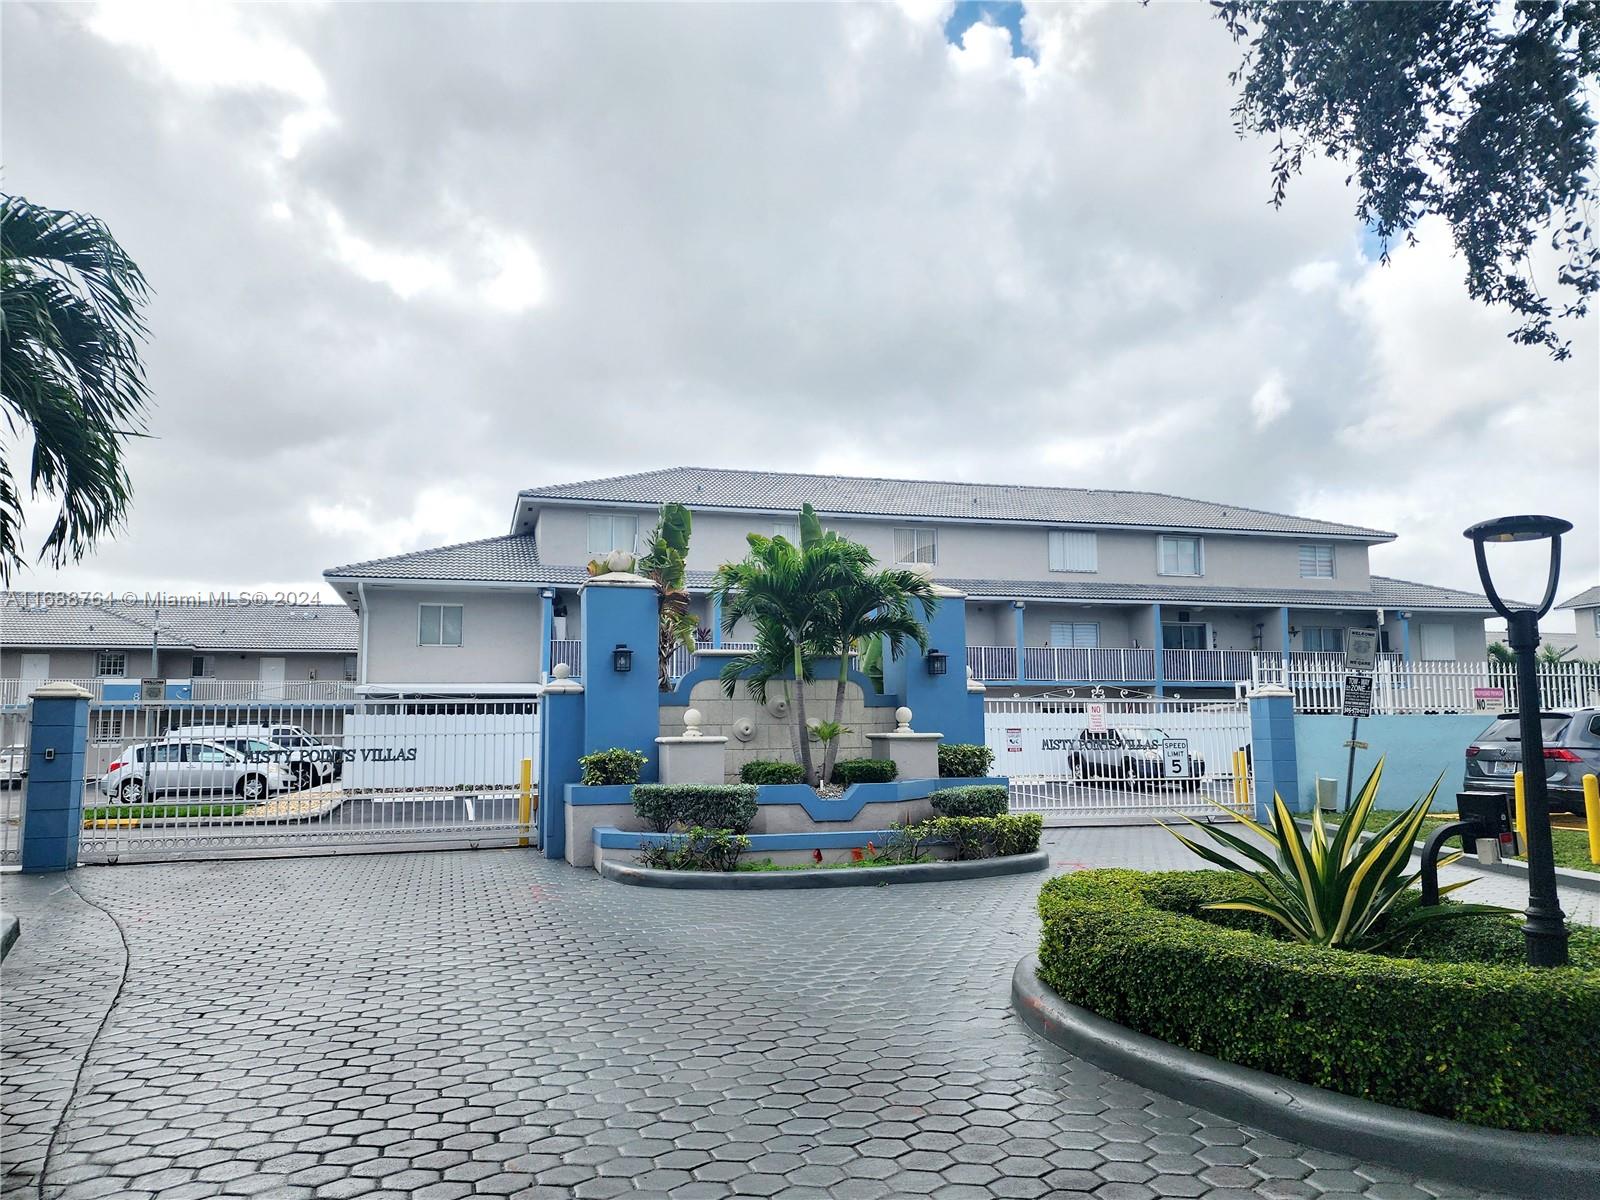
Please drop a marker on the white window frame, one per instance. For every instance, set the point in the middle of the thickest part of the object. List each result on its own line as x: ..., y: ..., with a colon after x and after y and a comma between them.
x: 1076, y: 627
x: 208, y: 666
x: 1199, y: 555
x: 1322, y: 631
x: 352, y: 664
x: 460, y: 625
x: 788, y: 530
x: 109, y: 726
x: 1318, y: 550
x: 1063, y: 540
x: 1597, y: 622
x: 916, y: 534
x: 611, y: 534
x: 104, y: 657
x: 1203, y: 626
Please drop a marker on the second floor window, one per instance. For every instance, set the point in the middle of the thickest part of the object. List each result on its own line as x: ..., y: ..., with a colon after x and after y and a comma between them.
x: 111, y: 663
x: 613, y: 531
x: 202, y: 666
x: 1597, y: 622
x: 789, y: 531
x: 1182, y: 556
x: 1316, y: 562
x: 1073, y: 551
x: 1323, y: 639
x: 916, y: 545
x: 438, y: 624
x: 349, y: 668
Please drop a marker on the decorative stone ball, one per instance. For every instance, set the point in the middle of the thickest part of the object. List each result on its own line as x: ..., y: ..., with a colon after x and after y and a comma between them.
x: 744, y: 729
x: 902, y: 716
x: 619, y: 560
x: 691, y: 723
x: 561, y: 671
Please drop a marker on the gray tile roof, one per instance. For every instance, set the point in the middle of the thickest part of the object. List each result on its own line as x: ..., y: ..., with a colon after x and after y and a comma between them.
x: 1384, y: 593
x: 1588, y: 598
x: 846, y: 495
x: 211, y: 627
x: 510, y: 559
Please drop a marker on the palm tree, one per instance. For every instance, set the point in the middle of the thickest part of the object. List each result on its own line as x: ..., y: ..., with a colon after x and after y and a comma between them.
x: 69, y: 374
x: 665, y: 561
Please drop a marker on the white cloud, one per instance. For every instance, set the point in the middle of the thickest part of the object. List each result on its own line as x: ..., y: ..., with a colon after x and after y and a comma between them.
x: 1270, y: 401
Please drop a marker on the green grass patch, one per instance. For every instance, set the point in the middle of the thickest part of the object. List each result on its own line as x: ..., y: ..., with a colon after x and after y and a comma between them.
x: 130, y: 812
x: 1571, y: 846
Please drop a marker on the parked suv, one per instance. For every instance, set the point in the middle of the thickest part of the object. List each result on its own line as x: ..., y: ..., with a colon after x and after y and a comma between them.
x: 189, y: 768
x: 308, y: 760
x: 1129, y: 752
x: 1571, y: 751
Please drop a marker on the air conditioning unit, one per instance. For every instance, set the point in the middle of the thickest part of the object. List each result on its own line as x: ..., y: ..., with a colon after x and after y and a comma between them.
x: 1328, y: 794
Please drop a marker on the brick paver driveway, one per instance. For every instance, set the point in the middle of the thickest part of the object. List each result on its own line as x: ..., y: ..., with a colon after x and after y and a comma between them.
x: 492, y: 1024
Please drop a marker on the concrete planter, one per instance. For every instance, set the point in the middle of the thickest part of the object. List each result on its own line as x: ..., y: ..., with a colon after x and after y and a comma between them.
x: 766, y: 881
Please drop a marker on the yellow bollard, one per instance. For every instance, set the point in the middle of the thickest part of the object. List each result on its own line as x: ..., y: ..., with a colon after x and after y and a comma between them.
x: 525, y: 800
x: 1522, y: 810
x: 1241, y: 778
x: 1591, y: 811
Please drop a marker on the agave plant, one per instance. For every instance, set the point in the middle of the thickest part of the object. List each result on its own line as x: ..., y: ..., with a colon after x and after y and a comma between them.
x: 1334, y: 891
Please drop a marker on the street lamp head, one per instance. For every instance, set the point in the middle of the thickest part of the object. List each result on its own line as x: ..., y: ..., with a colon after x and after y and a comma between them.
x: 1524, y: 528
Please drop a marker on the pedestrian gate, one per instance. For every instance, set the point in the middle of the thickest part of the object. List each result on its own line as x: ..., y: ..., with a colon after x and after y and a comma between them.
x: 1108, y: 762
x: 243, y: 780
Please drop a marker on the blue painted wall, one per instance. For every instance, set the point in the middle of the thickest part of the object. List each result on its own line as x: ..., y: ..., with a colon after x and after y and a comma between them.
x: 938, y: 703
x: 621, y: 710
x: 1415, y: 749
x: 560, y: 743
x: 54, y: 819
x: 1274, y: 754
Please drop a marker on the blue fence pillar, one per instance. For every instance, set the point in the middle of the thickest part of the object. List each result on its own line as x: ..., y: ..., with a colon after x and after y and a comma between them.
x: 716, y: 621
x: 56, y: 749
x: 939, y: 703
x: 547, y: 632
x: 1018, y: 612
x: 622, y: 708
x: 560, y: 745
x: 1272, y: 751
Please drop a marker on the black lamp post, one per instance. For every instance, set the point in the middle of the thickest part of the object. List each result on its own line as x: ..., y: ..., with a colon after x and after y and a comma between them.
x: 1546, y: 926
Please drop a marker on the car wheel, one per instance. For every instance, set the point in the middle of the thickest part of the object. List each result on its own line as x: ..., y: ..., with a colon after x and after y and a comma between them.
x: 132, y: 791
x: 305, y: 775
x: 252, y: 787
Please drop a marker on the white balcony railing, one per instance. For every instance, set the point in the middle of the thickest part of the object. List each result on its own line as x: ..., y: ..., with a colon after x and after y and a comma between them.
x: 1057, y: 664
x: 15, y: 692
x: 1429, y: 687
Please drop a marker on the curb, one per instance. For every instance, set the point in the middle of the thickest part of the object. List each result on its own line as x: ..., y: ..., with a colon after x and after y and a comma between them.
x: 1544, y: 1166
x: 766, y: 881
x: 10, y: 931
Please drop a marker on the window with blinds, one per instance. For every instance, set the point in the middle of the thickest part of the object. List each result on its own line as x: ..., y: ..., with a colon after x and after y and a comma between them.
x: 916, y: 546
x: 1071, y: 550
x: 1316, y: 562
x: 1080, y: 635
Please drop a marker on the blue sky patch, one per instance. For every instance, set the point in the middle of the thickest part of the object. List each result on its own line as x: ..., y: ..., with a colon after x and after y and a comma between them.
x: 1007, y: 14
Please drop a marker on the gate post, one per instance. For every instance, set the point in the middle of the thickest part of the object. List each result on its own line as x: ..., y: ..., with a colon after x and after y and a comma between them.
x: 56, y: 752
x: 942, y: 702
x: 622, y: 612
x: 560, y: 744
x: 1272, y: 749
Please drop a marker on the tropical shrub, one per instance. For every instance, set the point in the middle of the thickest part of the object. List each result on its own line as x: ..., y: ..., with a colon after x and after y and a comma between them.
x: 980, y: 800
x: 765, y: 771
x: 729, y: 806
x: 697, y: 850
x: 616, y: 765
x: 964, y: 760
x: 982, y: 837
x: 665, y: 563
x: 863, y: 770
x: 1331, y: 892
x: 1455, y: 1030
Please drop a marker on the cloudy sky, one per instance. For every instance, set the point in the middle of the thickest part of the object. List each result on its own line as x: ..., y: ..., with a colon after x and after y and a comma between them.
x: 410, y: 258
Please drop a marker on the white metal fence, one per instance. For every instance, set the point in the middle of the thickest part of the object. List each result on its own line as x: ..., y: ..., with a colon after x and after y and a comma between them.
x: 1096, y: 761
x: 221, y: 781
x: 1430, y: 687
x: 15, y: 729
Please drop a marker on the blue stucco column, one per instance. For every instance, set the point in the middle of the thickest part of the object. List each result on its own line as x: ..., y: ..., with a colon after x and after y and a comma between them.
x: 57, y: 744
x: 1272, y: 750
x: 561, y: 719
x: 1283, y: 628
x: 716, y: 620
x: 1018, y: 609
x: 1405, y: 636
x: 1160, y: 650
x: 622, y: 709
x: 940, y: 703
x: 547, y: 631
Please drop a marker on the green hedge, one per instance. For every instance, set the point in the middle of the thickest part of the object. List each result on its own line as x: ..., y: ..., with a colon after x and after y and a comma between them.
x: 964, y: 760
x: 1457, y: 1029
x: 765, y: 771
x: 863, y: 770
x: 730, y: 806
x: 980, y: 800
x: 981, y: 837
x: 616, y: 765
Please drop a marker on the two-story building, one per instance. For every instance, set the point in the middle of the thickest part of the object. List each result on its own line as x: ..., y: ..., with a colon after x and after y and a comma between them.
x: 1145, y: 592
x: 1585, y: 608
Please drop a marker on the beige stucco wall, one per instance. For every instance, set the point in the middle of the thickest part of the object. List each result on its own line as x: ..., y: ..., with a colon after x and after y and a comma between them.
x: 499, y: 637
x: 772, y: 738
x: 995, y: 551
x: 1588, y: 642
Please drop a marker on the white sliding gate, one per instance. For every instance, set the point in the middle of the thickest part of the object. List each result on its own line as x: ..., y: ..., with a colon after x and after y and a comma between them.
x: 243, y: 780
x: 1114, y: 762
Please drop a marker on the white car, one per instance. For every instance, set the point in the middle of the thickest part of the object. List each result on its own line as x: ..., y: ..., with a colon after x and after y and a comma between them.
x: 308, y: 761
x: 180, y: 768
x: 13, y: 766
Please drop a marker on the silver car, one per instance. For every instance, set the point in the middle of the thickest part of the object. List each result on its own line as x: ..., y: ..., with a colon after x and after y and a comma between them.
x: 1571, y: 751
x: 181, y: 768
x: 308, y: 761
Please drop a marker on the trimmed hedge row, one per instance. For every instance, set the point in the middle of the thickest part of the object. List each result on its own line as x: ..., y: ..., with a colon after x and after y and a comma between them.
x: 769, y: 771
x: 616, y: 765
x: 979, y: 800
x: 964, y: 760
x: 1456, y: 1029
x: 711, y: 806
x: 982, y: 837
x: 863, y: 770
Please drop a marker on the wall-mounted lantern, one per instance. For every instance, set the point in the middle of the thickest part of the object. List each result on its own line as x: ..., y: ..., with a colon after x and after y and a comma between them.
x: 938, y: 662
x: 621, y: 659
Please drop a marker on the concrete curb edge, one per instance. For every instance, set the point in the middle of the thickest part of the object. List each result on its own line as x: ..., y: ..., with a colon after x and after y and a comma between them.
x: 762, y: 881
